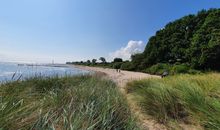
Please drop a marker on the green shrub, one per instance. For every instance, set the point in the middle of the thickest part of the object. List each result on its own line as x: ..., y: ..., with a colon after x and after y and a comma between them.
x: 127, y: 66
x: 177, y: 69
x: 117, y: 65
x: 158, y: 68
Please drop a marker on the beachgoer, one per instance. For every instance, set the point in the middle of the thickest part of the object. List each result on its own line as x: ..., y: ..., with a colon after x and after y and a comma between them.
x: 165, y: 73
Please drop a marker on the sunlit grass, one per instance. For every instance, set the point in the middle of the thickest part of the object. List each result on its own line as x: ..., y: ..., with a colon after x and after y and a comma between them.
x: 68, y: 103
x: 191, y: 99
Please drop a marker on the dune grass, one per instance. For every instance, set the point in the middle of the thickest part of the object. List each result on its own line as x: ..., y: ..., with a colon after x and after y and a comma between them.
x: 68, y: 103
x: 192, y: 99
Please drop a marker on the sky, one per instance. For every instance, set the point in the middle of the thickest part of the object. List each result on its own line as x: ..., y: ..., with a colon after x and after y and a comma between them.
x: 39, y: 31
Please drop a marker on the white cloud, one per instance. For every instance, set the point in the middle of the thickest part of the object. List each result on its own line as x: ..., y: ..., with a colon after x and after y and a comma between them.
x: 125, y: 53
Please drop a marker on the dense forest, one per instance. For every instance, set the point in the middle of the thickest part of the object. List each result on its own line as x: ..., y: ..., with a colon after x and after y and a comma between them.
x: 188, y: 45
x: 193, y: 40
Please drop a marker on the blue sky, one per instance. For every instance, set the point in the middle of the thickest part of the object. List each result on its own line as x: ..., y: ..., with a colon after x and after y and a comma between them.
x: 64, y: 30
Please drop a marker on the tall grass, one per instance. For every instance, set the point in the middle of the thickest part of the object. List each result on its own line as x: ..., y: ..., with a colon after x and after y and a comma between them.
x: 68, y: 103
x: 191, y: 99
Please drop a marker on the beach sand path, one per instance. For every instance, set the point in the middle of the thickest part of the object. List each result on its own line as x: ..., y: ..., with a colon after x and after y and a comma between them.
x: 121, y: 79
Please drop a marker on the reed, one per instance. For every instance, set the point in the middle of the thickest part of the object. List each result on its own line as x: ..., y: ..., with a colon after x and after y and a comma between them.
x: 68, y: 103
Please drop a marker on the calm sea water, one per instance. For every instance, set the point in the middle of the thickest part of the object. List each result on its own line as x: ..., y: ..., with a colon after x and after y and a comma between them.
x: 12, y: 71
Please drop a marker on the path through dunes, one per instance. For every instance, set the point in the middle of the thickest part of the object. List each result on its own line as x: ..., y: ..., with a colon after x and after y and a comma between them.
x: 121, y: 79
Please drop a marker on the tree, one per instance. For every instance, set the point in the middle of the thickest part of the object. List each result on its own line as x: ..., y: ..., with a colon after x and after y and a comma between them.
x: 102, y: 59
x: 118, y: 60
x: 137, y: 60
x: 94, y: 61
x: 192, y: 39
x: 117, y: 65
x: 88, y: 62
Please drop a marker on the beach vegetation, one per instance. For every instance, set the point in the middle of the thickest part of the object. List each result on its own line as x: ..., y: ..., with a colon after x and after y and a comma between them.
x: 67, y: 103
x: 188, y: 99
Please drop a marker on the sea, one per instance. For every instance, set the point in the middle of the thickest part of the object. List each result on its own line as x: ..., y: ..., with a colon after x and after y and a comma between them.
x: 15, y: 71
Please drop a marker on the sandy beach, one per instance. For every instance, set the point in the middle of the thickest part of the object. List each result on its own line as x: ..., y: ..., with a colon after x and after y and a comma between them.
x: 122, y: 78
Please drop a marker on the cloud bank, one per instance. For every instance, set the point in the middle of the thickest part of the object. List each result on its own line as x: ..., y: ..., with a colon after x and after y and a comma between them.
x: 125, y: 53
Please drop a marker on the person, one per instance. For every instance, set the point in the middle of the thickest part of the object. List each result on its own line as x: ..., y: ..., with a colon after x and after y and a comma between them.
x: 165, y: 73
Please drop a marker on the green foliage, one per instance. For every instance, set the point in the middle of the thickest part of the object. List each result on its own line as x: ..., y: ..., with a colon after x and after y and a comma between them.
x: 205, y: 43
x: 186, y: 98
x: 177, y: 69
x: 94, y: 61
x: 118, y: 60
x: 69, y: 103
x: 127, y: 66
x: 137, y: 61
x: 158, y: 68
x: 102, y: 59
x: 193, y: 39
x: 88, y: 62
x: 117, y: 65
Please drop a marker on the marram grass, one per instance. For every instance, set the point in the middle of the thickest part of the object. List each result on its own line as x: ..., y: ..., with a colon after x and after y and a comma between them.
x: 68, y: 103
x: 191, y: 99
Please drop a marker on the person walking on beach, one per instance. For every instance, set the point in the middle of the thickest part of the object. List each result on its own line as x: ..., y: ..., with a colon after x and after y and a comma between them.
x: 117, y: 68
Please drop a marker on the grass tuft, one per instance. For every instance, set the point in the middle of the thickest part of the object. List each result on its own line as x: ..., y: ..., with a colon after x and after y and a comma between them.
x: 191, y: 99
x: 68, y: 103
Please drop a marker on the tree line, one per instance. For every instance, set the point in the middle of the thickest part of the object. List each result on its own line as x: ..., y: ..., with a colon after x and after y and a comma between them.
x: 117, y: 63
x: 186, y: 44
x: 193, y: 40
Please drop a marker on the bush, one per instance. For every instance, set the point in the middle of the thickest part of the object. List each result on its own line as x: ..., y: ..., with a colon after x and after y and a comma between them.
x: 117, y: 65
x: 182, y: 68
x: 158, y: 68
x: 127, y: 66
